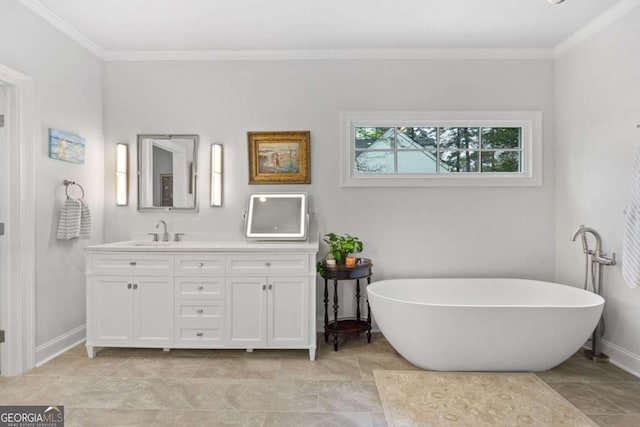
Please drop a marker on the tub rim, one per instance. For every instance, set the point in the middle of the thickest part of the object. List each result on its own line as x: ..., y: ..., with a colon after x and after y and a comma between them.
x: 599, y: 298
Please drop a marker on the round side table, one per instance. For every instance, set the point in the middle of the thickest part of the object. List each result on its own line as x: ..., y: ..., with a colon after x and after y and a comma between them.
x: 348, y: 325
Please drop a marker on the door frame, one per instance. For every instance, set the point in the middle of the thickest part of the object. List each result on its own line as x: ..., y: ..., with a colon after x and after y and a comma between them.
x: 17, y: 305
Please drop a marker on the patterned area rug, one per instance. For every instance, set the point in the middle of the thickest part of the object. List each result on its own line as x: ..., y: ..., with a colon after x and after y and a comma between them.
x: 421, y: 398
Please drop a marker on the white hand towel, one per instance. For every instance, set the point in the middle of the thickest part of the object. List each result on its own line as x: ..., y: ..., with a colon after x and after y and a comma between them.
x: 85, y: 220
x: 631, y: 243
x: 69, y: 223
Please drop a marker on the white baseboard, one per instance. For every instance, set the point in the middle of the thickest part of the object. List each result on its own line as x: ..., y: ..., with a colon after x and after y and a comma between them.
x: 55, y: 347
x: 622, y: 358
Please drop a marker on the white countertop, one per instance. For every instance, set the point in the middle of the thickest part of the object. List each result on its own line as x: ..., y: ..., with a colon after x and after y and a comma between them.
x: 210, y: 245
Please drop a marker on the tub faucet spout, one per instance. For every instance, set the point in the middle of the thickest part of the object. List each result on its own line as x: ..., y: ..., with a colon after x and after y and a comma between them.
x: 581, y: 232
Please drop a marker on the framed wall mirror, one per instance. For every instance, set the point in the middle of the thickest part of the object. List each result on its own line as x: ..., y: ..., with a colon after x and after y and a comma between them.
x: 167, y: 171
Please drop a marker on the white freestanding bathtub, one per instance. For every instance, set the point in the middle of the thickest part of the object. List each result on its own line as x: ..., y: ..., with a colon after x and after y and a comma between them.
x: 484, y: 324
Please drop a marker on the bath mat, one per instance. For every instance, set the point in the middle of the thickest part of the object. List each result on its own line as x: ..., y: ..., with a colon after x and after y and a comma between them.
x: 422, y: 398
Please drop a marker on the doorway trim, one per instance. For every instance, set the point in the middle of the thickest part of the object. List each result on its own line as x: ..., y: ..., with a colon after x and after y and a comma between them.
x: 17, y: 307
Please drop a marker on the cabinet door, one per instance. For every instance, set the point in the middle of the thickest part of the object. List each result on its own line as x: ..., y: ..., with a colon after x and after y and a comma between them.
x: 288, y: 311
x: 153, y: 311
x: 109, y: 310
x: 245, y: 324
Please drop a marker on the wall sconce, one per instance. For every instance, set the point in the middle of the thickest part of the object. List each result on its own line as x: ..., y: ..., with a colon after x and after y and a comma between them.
x: 122, y: 174
x: 216, y: 175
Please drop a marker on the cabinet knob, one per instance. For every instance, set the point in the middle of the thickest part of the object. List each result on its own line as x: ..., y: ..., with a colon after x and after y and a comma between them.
x: 199, y: 311
x: 268, y: 264
x: 135, y: 286
x: 201, y: 264
x: 270, y: 286
x: 132, y: 263
x: 264, y: 287
x: 199, y: 334
x: 128, y: 285
x: 201, y: 288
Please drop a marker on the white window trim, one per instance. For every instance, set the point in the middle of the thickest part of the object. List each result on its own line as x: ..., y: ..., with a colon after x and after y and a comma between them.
x: 529, y: 121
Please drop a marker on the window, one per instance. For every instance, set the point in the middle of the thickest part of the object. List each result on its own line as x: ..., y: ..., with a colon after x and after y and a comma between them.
x: 442, y: 149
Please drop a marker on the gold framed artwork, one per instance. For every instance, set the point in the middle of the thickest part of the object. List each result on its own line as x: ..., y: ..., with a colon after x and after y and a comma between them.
x: 279, y: 157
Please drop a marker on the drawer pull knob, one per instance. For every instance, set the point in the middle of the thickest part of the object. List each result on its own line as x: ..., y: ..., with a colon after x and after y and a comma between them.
x: 199, y: 334
x: 199, y: 311
x: 268, y: 264
x: 201, y: 288
x: 201, y: 264
x: 132, y: 263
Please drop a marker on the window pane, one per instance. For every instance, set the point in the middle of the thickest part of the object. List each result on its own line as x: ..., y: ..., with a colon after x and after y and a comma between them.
x: 416, y: 138
x: 460, y: 138
x: 417, y: 161
x: 501, y: 138
x: 374, y: 138
x: 501, y: 161
x: 374, y: 162
x: 458, y: 161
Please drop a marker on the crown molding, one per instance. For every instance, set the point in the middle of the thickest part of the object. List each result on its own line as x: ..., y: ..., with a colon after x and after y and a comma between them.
x: 59, y: 23
x: 599, y: 23
x: 602, y: 21
x: 327, y: 54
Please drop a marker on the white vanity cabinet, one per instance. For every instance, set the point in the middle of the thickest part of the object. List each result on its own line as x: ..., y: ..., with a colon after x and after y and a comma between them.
x: 267, y: 311
x: 267, y: 297
x: 199, y: 300
x: 129, y: 306
x: 202, y: 295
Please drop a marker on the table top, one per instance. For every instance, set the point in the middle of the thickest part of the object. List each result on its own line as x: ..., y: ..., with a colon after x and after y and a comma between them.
x: 360, y: 270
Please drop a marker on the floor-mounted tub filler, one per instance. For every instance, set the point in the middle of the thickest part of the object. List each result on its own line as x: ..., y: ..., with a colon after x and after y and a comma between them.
x: 484, y: 324
x: 593, y: 262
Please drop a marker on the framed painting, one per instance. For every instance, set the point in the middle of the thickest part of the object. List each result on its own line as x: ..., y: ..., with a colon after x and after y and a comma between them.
x: 66, y: 146
x: 279, y: 157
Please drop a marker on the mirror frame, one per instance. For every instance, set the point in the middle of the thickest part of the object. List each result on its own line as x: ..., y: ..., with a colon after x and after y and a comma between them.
x: 194, y: 172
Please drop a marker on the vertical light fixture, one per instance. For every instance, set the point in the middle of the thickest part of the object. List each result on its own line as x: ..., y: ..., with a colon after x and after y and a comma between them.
x: 122, y: 174
x: 216, y: 175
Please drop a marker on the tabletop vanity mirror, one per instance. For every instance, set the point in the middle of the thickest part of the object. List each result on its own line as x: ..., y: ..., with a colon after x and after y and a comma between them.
x: 277, y: 216
x: 167, y: 170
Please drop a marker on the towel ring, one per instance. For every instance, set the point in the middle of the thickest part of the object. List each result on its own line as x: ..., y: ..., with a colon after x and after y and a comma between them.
x: 67, y: 183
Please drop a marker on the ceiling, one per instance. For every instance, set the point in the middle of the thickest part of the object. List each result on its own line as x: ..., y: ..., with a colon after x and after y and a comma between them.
x: 224, y: 25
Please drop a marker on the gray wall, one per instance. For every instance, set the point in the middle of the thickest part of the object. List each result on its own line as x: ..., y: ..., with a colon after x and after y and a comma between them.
x: 69, y: 97
x: 408, y: 232
x: 598, y: 108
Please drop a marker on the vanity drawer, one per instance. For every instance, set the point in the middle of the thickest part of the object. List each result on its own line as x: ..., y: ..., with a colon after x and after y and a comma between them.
x: 199, y: 287
x: 199, y: 337
x: 190, y: 311
x: 132, y: 263
x: 199, y: 264
x: 267, y: 264
x: 199, y: 325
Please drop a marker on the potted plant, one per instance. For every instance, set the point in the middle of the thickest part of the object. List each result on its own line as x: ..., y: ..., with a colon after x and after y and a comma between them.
x: 341, y: 246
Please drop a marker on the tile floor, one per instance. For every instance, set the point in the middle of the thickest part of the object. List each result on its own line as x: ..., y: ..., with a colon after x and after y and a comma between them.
x: 138, y: 387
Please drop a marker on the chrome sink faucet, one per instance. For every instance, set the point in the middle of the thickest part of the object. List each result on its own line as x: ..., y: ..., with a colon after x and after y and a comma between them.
x: 165, y: 233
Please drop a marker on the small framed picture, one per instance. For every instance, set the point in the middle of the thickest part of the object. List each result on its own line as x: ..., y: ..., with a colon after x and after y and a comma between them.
x: 66, y: 146
x: 279, y: 157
